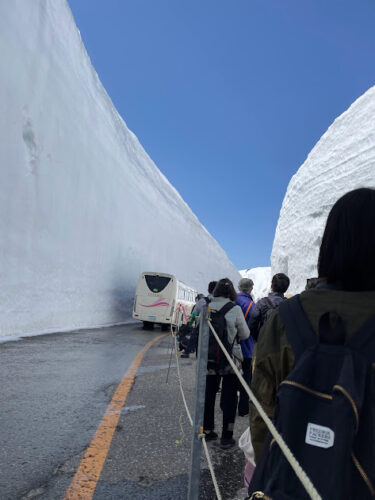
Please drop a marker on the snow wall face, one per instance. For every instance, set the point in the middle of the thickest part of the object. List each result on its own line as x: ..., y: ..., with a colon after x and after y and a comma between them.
x: 342, y: 160
x: 84, y: 210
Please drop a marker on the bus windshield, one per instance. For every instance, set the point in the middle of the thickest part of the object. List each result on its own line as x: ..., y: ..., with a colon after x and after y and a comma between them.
x: 156, y: 283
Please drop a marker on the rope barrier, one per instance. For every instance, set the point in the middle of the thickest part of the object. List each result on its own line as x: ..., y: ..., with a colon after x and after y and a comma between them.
x: 210, y: 466
x: 202, y: 435
x: 180, y: 382
x: 301, y: 474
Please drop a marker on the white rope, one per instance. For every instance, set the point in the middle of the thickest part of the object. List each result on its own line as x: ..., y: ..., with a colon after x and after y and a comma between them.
x: 205, y: 447
x: 301, y: 474
x: 210, y: 466
x: 180, y: 381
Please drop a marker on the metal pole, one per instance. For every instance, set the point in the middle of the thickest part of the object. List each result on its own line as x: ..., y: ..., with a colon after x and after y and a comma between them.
x: 170, y: 357
x: 196, y: 443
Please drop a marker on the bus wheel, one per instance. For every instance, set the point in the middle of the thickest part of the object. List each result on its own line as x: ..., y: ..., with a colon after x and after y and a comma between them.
x: 148, y: 325
x: 165, y: 327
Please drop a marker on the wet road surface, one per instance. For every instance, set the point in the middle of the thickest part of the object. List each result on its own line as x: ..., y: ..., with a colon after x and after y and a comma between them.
x: 55, y: 391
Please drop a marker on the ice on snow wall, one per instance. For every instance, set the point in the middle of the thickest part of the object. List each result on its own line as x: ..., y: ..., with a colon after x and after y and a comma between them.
x: 342, y: 160
x: 83, y: 209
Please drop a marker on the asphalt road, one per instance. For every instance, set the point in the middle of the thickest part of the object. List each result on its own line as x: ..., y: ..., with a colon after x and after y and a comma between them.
x: 56, y: 389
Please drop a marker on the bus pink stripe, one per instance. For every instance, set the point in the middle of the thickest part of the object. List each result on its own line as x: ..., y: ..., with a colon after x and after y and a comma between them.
x: 159, y: 302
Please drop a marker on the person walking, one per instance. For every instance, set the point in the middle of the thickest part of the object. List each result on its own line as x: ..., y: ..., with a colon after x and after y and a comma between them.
x: 229, y: 316
x: 340, y: 312
x: 247, y: 304
x: 194, y: 320
x: 267, y: 305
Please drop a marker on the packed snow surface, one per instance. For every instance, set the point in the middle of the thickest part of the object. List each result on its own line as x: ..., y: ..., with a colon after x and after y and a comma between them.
x: 261, y: 277
x: 343, y: 159
x: 83, y: 209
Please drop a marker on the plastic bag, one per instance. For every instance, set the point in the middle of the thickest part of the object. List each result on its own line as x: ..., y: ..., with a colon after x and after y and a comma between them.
x: 247, y: 447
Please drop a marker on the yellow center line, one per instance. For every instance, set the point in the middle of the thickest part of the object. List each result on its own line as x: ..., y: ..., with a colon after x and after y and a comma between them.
x: 90, y: 468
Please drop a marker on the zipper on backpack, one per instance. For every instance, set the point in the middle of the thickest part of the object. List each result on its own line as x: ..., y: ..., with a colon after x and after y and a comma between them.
x: 259, y: 494
x: 363, y: 474
x: 348, y: 396
x: 307, y: 389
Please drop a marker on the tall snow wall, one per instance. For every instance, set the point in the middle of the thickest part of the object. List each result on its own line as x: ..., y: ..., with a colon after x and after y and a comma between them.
x: 342, y: 160
x: 83, y: 209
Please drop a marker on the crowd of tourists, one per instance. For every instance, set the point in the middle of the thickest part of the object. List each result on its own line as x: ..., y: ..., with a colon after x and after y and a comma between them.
x: 308, y: 359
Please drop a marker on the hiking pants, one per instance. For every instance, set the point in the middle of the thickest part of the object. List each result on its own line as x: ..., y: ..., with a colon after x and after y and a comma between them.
x: 228, y: 402
x: 243, y: 405
x: 192, y: 344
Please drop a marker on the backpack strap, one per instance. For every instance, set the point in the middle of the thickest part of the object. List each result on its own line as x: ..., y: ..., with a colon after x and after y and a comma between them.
x: 300, y: 334
x: 269, y: 303
x: 265, y: 307
x: 248, y: 309
x: 227, y: 307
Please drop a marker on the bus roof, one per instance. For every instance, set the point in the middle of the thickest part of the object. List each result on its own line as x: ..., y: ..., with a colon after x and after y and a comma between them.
x: 155, y: 273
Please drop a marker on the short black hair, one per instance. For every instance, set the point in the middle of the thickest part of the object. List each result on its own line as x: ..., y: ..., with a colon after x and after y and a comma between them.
x: 211, y: 286
x: 280, y: 283
x: 347, y: 252
x: 225, y: 288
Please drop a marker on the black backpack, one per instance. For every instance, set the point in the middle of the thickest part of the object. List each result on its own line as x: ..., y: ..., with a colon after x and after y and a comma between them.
x: 325, y: 412
x: 268, y: 311
x: 216, y: 359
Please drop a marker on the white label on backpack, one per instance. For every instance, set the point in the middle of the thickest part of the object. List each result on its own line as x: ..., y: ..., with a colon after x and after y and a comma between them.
x: 317, y: 435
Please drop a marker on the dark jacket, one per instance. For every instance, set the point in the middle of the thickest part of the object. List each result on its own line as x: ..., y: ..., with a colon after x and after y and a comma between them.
x: 243, y: 300
x: 257, y: 316
x: 275, y: 357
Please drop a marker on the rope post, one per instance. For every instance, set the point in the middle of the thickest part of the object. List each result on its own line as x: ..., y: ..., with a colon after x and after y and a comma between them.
x: 200, y: 390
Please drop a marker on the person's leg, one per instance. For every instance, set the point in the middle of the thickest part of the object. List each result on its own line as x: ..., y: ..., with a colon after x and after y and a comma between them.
x: 209, y: 402
x: 191, y: 344
x: 228, y: 404
x: 243, y: 405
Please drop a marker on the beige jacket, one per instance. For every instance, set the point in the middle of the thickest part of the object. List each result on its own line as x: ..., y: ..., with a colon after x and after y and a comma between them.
x: 236, y: 326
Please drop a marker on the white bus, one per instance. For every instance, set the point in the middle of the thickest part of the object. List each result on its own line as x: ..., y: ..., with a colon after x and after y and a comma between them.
x: 163, y: 299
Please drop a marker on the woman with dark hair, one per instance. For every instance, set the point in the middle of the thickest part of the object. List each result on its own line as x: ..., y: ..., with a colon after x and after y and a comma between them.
x: 224, y: 296
x: 345, y: 289
x: 347, y: 252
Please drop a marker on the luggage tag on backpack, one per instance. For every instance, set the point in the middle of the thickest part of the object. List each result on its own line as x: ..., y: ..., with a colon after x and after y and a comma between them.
x: 318, y: 435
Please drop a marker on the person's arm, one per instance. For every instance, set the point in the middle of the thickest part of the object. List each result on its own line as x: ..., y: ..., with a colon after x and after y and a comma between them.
x: 192, y: 318
x: 199, y: 306
x: 254, y: 320
x: 243, y: 331
x: 274, y: 360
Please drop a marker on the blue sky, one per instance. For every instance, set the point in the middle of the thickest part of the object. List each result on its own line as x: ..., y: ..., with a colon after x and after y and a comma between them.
x: 229, y: 96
